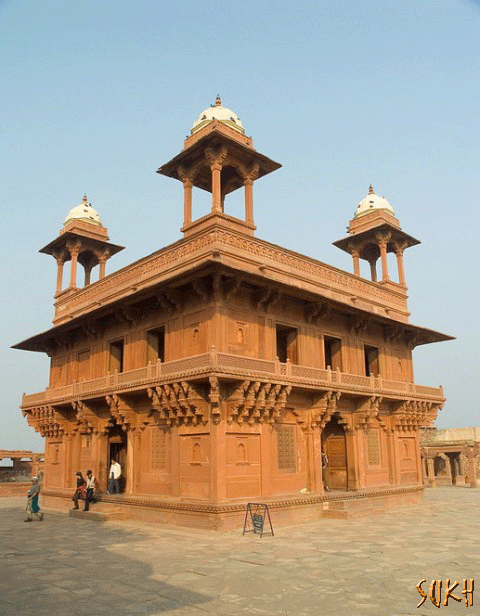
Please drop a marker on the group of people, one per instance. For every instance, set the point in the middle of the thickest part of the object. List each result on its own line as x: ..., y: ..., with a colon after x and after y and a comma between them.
x: 87, y: 486
x: 85, y: 490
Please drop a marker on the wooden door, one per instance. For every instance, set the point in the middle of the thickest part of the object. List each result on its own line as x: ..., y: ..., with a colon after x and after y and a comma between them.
x: 336, y: 449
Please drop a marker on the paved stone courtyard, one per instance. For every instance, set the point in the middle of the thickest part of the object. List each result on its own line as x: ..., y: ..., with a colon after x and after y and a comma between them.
x: 365, y: 566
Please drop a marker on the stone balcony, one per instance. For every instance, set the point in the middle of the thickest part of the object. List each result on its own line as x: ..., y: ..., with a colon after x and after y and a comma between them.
x: 234, y: 367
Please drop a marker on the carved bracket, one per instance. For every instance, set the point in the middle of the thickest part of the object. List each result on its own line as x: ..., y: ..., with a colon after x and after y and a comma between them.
x: 179, y: 404
x: 255, y: 402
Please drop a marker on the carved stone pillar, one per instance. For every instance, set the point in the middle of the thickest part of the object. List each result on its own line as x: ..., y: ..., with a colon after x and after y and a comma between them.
x: 133, y: 459
x: 74, y: 249
x: 216, y: 159
x: 60, y: 264
x: 248, y: 183
x: 356, y: 262
x: 373, y: 270
x: 187, y: 195
x: 401, y: 270
x: 471, y: 471
x: 100, y: 470
x: 102, y: 261
x: 88, y: 272
x: 352, y: 470
x: 382, y: 244
x: 216, y: 188
x: 392, y: 458
x: 218, y: 466
x: 187, y: 202
x: 313, y: 438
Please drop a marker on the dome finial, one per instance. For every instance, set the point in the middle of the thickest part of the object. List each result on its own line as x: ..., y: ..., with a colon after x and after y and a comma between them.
x: 218, y: 101
x: 370, y: 190
x: 85, y: 199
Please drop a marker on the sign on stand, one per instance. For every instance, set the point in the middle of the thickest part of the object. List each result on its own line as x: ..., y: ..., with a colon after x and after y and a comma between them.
x: 256, y: 516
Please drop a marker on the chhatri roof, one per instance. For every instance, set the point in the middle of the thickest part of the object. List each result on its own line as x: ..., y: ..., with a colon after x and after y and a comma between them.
x: 371, y: 203
x: 220, y: 113
x: 84, y: 211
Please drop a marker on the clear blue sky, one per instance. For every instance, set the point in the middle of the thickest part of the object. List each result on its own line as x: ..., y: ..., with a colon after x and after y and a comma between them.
x: 96, y: 94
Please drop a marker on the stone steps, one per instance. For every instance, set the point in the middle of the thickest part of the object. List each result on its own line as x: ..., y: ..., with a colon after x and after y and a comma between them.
x: 99, y: 513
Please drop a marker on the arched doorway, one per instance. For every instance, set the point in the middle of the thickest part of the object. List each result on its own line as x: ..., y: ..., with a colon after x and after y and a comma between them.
x: 335, y: 446
x: 117, y: 450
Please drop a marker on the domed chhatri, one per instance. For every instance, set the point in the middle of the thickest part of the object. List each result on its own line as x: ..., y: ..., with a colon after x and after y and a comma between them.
x: 373, y: 202
x: 220, y: 113
x: 84, y: 211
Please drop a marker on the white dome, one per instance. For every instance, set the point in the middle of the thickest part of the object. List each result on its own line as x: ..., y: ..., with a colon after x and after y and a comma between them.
x: 218, y: 112
x: 84, y: 211
x: 373, y: 202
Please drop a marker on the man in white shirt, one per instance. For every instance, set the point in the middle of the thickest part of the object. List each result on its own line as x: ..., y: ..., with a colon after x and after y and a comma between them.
x: 114, y: 475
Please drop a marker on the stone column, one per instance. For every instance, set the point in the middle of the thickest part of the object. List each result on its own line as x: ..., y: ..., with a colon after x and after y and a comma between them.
x: 471, y: 471
x: 356, y: 262
x: 401, y: 270
x: 392, y: 458
x: 216, y: 159
x: 216, y: 188
x: 266, y: 446
x: 99, y: 458
x: 102, y: 261
x: 187, y: 195
x: 88, y: 271
x: 248, y: 183
x: 218, y: 463
x: 74, y: 249
x: 352, y: 470
x: 248, y: 180
x: 60, y: 264
x: 382, y: 244
x: 373, y: 270
x: 187, y: 202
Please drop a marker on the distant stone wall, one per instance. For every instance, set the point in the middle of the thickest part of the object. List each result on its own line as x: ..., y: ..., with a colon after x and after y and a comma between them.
x: 14, y: 488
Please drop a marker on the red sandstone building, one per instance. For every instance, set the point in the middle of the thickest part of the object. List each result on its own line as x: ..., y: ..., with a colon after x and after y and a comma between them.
x: 217, y: 368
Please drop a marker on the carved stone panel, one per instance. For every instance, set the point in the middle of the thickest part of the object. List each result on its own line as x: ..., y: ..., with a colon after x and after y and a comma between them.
x: 286, y: 449
x: 158, y: 449
x: 373, y: 447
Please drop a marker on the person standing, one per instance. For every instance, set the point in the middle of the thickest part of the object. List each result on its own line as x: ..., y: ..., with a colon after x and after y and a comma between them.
x: 90, y: 486
x: 324, y: 471
x: 32, y: 502
x: 114, y: 475
x: 80, y: 490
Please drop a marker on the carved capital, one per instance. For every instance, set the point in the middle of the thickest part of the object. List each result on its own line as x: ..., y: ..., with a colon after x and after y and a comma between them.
x: 216, y: 158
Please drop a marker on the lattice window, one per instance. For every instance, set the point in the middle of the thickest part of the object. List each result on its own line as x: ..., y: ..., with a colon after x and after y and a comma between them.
x: 286, y: 449
x: 158, y: 458
x: 373, y: 448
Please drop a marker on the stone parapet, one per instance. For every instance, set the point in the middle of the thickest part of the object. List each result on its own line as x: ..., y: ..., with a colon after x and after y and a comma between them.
x: 239, y: 251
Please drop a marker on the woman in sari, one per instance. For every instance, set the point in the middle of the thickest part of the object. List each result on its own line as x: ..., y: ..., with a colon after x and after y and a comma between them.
x: 32, y: 502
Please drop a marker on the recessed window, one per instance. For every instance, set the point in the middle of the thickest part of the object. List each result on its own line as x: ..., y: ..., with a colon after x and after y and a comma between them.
x: 115, y: 360
x: 287, y: 344
x: 371, y: 360
x: 332, y: 348
x: 156, y: 345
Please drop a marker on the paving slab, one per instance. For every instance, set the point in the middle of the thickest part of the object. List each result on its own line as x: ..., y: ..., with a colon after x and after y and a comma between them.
x: 367, y: 566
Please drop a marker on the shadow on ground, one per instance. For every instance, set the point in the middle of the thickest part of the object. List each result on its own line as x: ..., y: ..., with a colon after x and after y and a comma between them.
x: 63, y: 566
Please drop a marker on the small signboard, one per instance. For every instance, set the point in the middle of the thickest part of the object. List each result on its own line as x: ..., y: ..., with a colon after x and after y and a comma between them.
x: 256, y: 517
